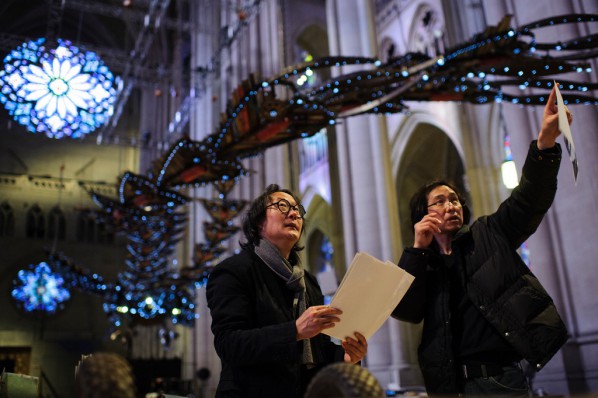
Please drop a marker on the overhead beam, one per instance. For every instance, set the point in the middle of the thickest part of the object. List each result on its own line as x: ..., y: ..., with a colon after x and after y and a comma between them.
x: 124, y: 13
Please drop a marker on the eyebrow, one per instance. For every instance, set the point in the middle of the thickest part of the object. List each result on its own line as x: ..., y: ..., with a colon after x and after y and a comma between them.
x: 291, y: 203
x: 443, y: 196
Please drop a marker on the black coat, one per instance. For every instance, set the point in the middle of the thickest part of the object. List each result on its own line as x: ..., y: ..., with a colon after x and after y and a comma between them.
x: 254, y: 330
x: 497, y: 281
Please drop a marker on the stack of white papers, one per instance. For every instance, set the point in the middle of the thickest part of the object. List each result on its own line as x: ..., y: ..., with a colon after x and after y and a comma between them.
x: 367, y: 295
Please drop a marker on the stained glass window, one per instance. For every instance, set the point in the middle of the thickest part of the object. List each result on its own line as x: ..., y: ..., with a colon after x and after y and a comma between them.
x: 58, y: 90
x: 325, y: 269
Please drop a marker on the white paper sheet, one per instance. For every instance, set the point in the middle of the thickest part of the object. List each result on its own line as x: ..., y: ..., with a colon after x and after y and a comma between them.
x: 566, y: 130
x: 367, y: 295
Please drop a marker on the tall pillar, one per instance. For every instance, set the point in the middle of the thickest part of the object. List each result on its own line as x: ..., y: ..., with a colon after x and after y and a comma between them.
x: 365, y: 182
x: 199, y: 352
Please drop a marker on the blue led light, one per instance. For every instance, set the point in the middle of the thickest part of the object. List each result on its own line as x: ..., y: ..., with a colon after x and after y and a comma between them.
x: 40, y: 289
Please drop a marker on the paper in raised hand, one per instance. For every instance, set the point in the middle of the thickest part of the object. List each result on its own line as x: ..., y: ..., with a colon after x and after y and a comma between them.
x: 566, y: 131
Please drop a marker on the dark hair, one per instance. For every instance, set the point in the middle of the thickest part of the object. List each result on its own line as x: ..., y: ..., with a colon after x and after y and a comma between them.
x: 256, y: 215
x: 419, y: 201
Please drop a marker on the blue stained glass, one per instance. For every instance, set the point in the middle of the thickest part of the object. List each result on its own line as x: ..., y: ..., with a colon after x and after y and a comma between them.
x: 507, y: 147
x: 40, y: 289
x: 60, y: 91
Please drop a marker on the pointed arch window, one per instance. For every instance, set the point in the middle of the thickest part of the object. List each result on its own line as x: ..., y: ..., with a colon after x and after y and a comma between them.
x: 427, y: 35
x: 56, y: 224
x: 35, y: 227
x: 85, y: 227
x: 105, y: 234
x: 324, y: 260
x: 321, y: 257
x: 7, y: 220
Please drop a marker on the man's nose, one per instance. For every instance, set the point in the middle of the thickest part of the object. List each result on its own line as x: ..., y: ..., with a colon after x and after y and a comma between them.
x: 293, y: 213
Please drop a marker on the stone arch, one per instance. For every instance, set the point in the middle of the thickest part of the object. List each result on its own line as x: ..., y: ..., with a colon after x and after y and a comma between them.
x: 314, y: 39
x: 423, y: 150
x: 429, y: 155
x: 321, y: 222
x: 388, y: 48
x: 427, y: 31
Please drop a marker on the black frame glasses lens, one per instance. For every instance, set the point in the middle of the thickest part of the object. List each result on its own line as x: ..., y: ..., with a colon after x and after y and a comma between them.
x: 298, y: 208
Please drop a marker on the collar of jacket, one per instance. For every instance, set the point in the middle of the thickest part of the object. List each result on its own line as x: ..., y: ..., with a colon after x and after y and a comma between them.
x: 462, y: 235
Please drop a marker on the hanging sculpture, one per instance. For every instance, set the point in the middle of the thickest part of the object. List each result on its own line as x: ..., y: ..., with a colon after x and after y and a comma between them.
x: 496, y: 66
x: 499, y: 65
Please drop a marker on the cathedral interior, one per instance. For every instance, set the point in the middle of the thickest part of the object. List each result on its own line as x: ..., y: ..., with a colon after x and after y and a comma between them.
x: 133, y: 133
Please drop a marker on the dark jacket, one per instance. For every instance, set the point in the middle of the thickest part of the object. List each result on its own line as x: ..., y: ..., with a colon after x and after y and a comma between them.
x: 497, y: 281
x: 254, y: 330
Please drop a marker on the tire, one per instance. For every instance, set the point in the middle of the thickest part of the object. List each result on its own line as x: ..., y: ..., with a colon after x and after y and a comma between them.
x: 344, y: 380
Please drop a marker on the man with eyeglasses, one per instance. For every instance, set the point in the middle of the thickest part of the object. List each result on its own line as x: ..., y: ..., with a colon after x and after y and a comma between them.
x: 483, y: 310
x: 267, y: 312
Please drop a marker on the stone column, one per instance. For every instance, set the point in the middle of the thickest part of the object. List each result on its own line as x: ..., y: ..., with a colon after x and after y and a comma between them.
x: 365, y: 182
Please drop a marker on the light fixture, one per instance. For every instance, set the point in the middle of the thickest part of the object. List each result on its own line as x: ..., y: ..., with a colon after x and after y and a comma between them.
x: 40, y: 289
x: 509, y: 174
x: 508, y: 168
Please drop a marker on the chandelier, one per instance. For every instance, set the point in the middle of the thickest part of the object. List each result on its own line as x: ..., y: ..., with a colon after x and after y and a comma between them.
x: 57, y: 89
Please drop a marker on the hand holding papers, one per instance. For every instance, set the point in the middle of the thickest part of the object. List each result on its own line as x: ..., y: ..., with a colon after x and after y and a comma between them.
x: 367, y: 295
x: 566, y: 130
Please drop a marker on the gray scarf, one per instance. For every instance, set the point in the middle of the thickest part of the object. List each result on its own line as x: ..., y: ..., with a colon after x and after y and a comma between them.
x: 294, y: 277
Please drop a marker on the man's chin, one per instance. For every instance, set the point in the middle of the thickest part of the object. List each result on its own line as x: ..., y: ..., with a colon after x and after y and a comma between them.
x: 294, y: 235
x: 453, y: 226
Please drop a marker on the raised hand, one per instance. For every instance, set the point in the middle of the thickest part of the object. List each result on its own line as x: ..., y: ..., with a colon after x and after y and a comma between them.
x: 425, y: 229
x: 550, y: 122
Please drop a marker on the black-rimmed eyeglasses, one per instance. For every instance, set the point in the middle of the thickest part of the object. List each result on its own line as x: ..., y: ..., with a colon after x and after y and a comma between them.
x: 285, y: 207
x: 443, y: 203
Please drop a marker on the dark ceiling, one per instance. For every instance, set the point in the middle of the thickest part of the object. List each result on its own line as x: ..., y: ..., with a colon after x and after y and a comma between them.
x: 114, y: 29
